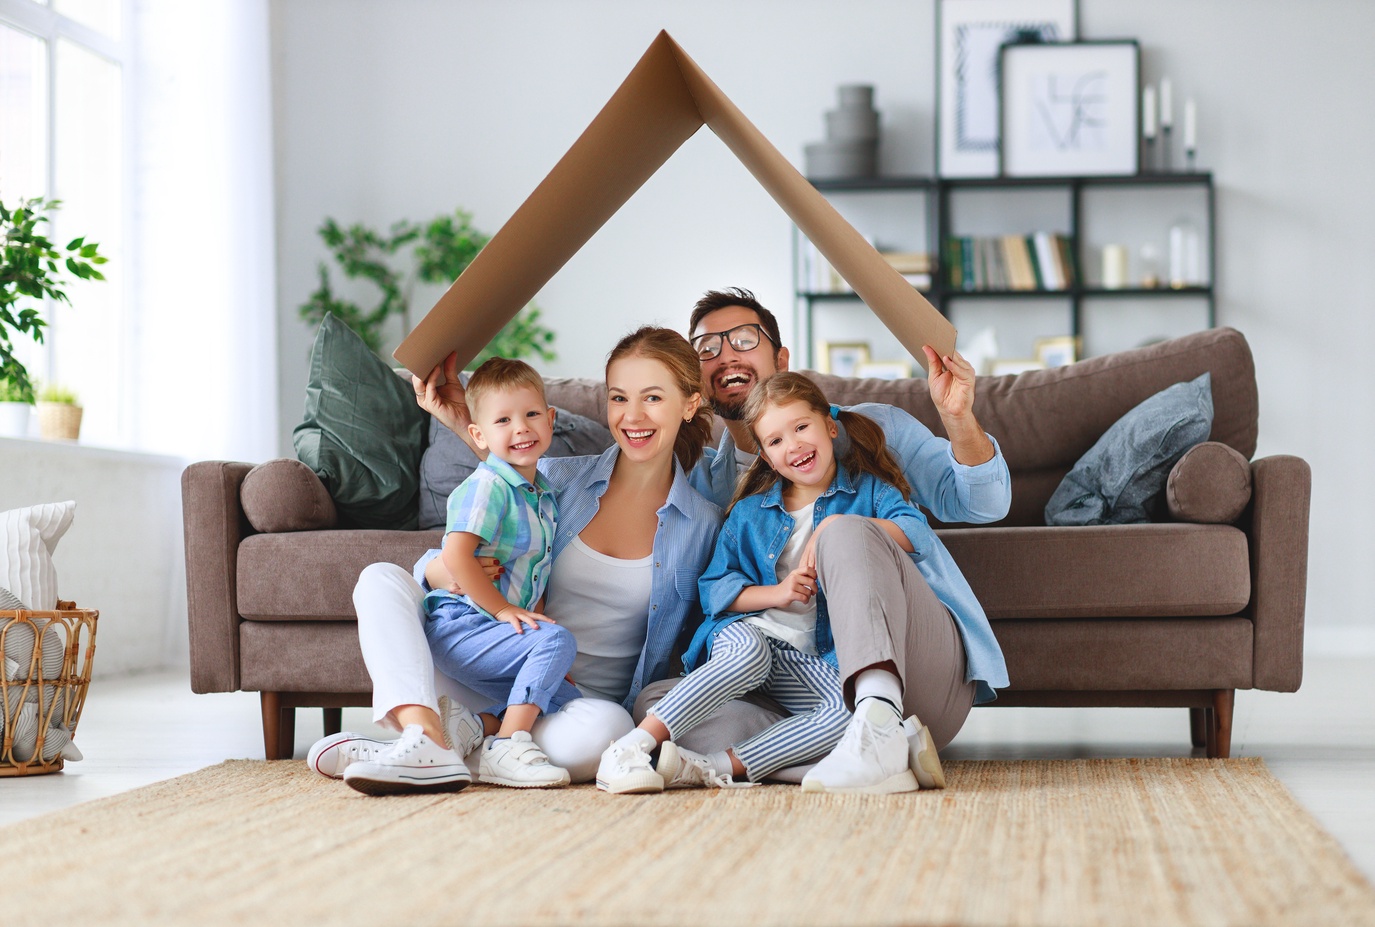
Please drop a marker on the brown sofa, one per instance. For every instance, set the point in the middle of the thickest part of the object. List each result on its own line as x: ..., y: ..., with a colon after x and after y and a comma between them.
x: 1174, y: 613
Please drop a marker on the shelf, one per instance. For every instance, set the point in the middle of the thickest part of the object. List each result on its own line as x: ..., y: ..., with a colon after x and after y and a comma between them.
x: 1078, y: 291
x: 874, y: 184
x: 1178, y: 178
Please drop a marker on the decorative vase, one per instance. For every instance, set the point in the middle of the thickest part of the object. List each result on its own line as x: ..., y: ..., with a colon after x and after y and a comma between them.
x: 59, y: 421
x: 14, y: 419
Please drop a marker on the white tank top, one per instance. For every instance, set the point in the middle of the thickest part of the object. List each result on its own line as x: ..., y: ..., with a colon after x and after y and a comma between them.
x: 796, y: 623
x: 604, y: 601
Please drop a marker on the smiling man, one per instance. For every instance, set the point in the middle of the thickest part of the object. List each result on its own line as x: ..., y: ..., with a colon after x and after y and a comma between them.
x: 913, y: 639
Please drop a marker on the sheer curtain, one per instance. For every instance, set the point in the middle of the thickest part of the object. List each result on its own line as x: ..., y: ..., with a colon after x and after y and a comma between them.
x: 203, y: 344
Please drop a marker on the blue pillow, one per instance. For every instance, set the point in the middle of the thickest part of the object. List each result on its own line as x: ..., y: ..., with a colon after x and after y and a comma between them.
x: 1118, y: 479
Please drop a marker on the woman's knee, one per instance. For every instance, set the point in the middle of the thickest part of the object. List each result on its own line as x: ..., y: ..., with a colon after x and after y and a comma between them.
x: 384, y: 588
x: 575, y: 736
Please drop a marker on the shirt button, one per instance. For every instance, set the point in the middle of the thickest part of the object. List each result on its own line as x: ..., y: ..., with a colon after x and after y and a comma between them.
x: 653, y: 608
x: 770, y: 556
x: 656, y: 563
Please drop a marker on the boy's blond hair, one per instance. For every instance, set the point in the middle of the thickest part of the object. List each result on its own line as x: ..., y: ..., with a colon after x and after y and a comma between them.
x: 499, y: 375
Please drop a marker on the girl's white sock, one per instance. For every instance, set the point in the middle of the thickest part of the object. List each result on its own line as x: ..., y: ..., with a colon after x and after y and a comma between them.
x: 721, y: 764
x: 639, y: 736
x: 880, y: 684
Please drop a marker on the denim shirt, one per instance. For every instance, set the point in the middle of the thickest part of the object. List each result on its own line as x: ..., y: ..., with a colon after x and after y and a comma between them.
x: 687, y: 530
x: 756, y: 532
x: 950, y: 490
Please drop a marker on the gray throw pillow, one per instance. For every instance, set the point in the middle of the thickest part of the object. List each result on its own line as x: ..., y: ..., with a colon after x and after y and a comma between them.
x: 447, y: 461
x: 363, y: 433
x: 1122, y: 476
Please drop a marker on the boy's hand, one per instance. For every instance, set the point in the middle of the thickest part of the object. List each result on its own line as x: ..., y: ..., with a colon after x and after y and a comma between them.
x: 798, y: 586
x: 518, y: 618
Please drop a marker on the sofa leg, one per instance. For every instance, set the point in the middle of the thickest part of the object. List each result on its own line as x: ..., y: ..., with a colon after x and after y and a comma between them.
x: 334, y: 720
x: 1198, y: 726
x: 279, y: 727
x: 1220, y: 726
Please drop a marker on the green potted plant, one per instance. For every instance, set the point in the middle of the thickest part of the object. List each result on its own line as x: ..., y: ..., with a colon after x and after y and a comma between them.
x: 59, y: 414
x: 32, y: 270
x: 435, y: 253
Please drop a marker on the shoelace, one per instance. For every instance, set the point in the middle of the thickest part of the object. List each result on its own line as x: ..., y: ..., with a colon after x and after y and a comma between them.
x: 408, y: 741
x: 633, y: 756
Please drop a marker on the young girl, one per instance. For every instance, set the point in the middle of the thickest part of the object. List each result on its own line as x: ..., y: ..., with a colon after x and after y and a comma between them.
x: 766, y: 626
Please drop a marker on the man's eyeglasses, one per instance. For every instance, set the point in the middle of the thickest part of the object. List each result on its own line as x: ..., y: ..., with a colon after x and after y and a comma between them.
x: 742, y: 338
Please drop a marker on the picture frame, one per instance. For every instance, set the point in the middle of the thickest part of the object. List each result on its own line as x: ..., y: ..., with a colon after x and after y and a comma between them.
x: 1070, y: 110
x: 843, y: 358
x: 1059, y: 351
x: 969, y: 34
x: 885, y: 370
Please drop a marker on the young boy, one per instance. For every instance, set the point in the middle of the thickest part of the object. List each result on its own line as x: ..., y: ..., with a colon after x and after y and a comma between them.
x: 495, y: 639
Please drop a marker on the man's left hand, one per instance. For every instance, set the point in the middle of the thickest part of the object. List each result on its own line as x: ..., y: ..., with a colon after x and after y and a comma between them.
x: 951, y: 380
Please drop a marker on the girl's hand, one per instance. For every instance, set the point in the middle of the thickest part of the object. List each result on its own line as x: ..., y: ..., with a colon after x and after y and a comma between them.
x: 518, y: 618
x: 951, y: 381
x: 798, y: 586
x: 808, y: 561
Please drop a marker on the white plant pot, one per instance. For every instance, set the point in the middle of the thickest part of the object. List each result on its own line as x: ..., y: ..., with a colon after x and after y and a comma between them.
x: 14, y: 419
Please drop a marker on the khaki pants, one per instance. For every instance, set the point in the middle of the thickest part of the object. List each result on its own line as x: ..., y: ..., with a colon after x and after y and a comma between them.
x: 882, y: 612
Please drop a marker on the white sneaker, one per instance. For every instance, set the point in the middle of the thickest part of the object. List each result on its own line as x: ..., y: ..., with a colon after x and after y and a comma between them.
x: 871, y: 758
x: 518, y: 762
x: 625, y: 769
x: 922, y: 756
x: 412, y: 763
x: 462, y: 729
x: 683, y: 769
x: 333, y: 754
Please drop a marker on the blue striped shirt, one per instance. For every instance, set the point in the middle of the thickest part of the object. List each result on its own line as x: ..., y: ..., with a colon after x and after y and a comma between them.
x: 683, y: 543
x: 516, y: 522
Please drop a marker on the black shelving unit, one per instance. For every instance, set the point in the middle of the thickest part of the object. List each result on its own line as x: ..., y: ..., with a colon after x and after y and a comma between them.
x: 939, y: 210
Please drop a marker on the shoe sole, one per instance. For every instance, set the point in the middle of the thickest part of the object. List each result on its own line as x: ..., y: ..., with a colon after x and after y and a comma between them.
x: 518, y: 784
x: 905, y: 781
x: 669, y: 765
x: 444, y: 782
x: 323, y: 746
x: 926, y: 762
x: 634, y: 784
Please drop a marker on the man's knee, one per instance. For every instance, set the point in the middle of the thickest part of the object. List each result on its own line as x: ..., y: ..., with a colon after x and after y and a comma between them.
x: 847, y: 536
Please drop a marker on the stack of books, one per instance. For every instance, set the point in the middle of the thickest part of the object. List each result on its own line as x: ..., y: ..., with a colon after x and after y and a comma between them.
x: 1039, y: 261
x: 817, y: 276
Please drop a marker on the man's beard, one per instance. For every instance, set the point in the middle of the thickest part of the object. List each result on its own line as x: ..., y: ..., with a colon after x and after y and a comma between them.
x: 732, y: 410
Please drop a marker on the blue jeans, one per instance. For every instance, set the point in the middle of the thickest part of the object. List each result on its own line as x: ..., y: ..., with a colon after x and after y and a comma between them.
x: 492, y: 659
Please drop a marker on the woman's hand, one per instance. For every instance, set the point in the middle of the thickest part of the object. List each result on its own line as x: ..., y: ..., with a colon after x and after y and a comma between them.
x: 518, y: 618
x: 442, y: 395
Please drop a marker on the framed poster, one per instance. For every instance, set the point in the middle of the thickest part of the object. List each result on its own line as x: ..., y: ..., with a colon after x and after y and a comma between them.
x: 969, y: 34
x: 1071, y: 110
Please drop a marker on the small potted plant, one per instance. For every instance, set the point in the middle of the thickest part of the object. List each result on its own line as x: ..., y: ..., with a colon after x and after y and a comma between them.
x: 32, y: 270
x: 59, y: 414
x: 16, y: 406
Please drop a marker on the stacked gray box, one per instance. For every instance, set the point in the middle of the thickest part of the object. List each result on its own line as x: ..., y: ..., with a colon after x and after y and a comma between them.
x: 851, y: 147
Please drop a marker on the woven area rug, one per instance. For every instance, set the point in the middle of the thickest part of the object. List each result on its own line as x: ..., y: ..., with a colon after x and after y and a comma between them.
x: 1150, y: 842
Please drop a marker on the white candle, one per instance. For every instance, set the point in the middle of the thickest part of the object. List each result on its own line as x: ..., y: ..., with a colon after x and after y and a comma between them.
x: 1166, y: 109
x: 1148, y: 113
x: 1190, y: 125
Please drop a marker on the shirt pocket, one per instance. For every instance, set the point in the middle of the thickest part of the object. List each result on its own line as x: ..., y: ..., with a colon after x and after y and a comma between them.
x: 685, y: 581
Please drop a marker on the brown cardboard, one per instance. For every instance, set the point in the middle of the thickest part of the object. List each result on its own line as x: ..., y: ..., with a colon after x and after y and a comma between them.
x: 661, y: 104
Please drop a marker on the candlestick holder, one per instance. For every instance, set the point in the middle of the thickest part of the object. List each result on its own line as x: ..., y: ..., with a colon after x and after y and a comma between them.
x: 1148, y: 165
x: 1165, y: 149
x: 1189, y: 159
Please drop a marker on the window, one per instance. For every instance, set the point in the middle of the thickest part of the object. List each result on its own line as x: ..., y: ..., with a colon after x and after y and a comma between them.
x: 62, y: 136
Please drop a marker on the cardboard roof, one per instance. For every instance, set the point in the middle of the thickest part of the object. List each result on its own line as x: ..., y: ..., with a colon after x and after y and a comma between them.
x: 660, y: 105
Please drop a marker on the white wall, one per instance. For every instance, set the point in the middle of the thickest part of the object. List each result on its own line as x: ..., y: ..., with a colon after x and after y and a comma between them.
x: 395, y: 110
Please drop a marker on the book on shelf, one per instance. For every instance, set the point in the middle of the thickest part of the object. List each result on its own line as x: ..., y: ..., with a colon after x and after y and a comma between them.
x: 1014, y: 263
x: 817, y: 276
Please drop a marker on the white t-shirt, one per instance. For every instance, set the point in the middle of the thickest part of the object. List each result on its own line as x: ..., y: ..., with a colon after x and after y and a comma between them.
x: 794, y: 624
x: 605, y: 603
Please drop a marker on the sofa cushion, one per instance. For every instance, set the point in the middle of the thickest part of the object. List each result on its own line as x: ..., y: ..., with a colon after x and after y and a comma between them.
x: 447, y: 461
x: 324, y: 566
x: 1210, y: 484
x: 286, y: 495
x: 1118, y: 479
x: 1160, y: 570
x: 363, y: 433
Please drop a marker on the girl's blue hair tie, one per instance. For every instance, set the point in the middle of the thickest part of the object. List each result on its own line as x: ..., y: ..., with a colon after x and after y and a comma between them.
x: 835, y: 411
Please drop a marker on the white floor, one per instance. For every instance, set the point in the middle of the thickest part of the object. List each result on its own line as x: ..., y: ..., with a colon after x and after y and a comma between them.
x: 1319, y: 741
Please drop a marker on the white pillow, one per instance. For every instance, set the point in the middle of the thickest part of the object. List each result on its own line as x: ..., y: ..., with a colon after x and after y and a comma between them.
x: 27, y: 539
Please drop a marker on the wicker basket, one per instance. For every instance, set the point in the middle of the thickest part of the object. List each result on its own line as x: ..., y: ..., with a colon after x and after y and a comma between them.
x: 59, y: 421
x: 46, y: 657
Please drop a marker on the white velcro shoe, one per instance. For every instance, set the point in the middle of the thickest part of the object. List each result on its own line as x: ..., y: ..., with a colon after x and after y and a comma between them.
x: 922, y: 755
x: 683, y: 769
x: 331, y: 755
x: 626, y: 769
x: 516, y: 761
x: 462, y: 729
x: 872, y: 757
x: 411, y: 763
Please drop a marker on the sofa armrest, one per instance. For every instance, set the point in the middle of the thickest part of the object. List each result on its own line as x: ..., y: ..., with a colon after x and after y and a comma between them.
x: 213, y: 524
x: 1281, y: 489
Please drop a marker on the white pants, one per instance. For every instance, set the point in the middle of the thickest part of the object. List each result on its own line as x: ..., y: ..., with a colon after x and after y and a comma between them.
x: 391, y: 632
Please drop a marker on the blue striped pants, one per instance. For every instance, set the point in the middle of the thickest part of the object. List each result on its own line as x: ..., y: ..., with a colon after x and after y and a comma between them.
x: 743, y: 659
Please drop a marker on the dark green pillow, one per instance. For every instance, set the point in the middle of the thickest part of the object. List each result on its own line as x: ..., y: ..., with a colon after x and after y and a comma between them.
x: 363, y: 434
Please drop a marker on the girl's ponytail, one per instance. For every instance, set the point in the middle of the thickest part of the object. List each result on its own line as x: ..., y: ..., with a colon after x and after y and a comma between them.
x: 868, y: 452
